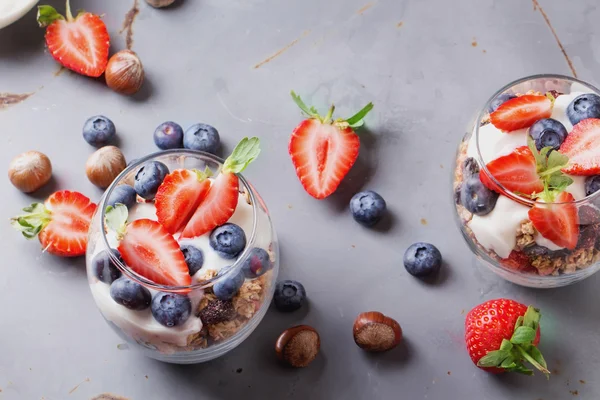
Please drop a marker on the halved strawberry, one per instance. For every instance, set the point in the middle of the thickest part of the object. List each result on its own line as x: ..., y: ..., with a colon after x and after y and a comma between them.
x: 148, y: 249
x: 582, y: 146
x: 61, y: 223
x: 323, y: 150
x: 222, y: 198
x: 516, y: 171
x: 557, y: 222
x: 179, y: 195
x: 521, y: 112
x: 80, y: 44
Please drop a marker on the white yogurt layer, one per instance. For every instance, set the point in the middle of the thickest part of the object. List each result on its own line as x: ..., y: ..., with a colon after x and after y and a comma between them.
x: 497, y: 230
x: 141, y: 325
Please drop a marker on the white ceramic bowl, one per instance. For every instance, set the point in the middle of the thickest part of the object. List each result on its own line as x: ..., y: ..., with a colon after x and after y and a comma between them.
x: 13, y: 10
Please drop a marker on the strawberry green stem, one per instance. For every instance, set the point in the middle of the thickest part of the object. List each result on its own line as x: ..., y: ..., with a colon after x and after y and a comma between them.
x: 533, y: 362
x: 327, y: 118
x: 551, y: 170
x: 68, y: 12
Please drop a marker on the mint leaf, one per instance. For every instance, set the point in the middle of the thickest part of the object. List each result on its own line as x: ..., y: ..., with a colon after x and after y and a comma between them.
x: 31, y: 223
x: 47, y: 15
x: 116, y: 218
x: 493, y: 358
x: 244, y: 153
x: 357, y: 120
x: 311, y: 112
x: 523, y: 334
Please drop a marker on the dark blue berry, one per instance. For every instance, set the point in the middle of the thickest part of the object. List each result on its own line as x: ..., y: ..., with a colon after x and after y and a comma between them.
x: 130, y: 294
x: 477, y: 198
x: 202, y: 137
x: 99, y: 131
x: 548, y: 132
x: 194, y: 258
x: 257, y: 263
x: 289, y: 295
x: 168, y: 135
x: 226, y: 288
x: 104, y: 268
x: 499, y: 100
x: 228, y: 240
x: 470, y: 167
x: 592, y: 184
x: 122, y: 194
x: 171, y: 309
x: 422, y: 259
x: 584, y: 106
x: 367, y: 207
x: 148, y: 178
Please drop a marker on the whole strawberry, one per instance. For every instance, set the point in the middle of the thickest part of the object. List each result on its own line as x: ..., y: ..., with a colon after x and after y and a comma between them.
x: 323, y: 149
x: 501, y: 334
x: 79, y: 43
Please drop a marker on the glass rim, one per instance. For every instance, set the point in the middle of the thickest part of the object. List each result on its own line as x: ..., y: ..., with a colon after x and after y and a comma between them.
x: 508, y: 193
x: 195, y: 286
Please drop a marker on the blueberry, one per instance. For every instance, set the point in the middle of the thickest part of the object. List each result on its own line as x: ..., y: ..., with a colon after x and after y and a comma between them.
x: 98, y: 131
x: 148, y: 178
x: 168, y: 135
x: 193, y: 257
x: 257, y: 263
x: 202, y: 137
x: 422, y: 259
x: 477, y: 198
x: 104, y: 268
x: 470, y: 167
x: 499, y: 100
x: 592, y: 184
x: 584, y: 106
x: 228, y: 240
x: 226, y: 288
x: 367, y: 207
x: 130, y: 294
x: 548, y: 132
x: 171, y: 309
x: 289, y: 295
x: 123, y: 194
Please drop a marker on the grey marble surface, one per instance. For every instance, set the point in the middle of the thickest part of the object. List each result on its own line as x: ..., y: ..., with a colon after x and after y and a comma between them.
x: 427, y: 65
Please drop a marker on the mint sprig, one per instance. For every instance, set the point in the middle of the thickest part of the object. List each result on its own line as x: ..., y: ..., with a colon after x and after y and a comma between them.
x: 116, y: 219
x: 549, y: 165
x: 355, y: 121
x: 519, y: 348
x: 244, y: 153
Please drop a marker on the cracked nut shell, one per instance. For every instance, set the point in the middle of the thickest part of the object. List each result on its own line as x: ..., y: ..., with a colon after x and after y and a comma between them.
x: 104, y: 165
x: 375, y: 332
x: 298, y: 346
x: 30, y: 171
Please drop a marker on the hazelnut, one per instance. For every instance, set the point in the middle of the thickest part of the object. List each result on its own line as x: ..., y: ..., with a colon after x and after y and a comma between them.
x: 30, y: 171
x: 298, y: 346
x: 373, y: 331
x: 160, y: 3
x: 124, y: 72
x: 104, y: 165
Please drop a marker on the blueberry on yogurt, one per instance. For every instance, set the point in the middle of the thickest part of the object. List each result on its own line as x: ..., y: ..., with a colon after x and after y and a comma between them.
x: 148, y: 178
x: 171, y: 309
x: 194, y: 258
x: 104, y: 268
x: 584, y: 106
x: 257, y: 263
x: 122, y: 194
x: 130, y: 294
x: 226, y: 288
x: 228, y: 240
x: 548, y: 132
x: 477, y: 198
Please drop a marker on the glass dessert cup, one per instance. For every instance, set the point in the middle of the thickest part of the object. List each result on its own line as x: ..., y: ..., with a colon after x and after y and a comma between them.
x: 213, y: 327
x: 505, y: 239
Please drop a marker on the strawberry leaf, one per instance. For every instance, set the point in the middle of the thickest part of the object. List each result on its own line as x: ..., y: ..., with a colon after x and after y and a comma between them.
x: 244, y: 153
x: 203, y: 175
x: 30, y: 224
x: 493, y: 358
x: 522, y: 335
x: 47, y: 15
x: 537, y: 356
x: 506, y: 345
x: 311, y: 112
x: 116, y: 218
x: 532, y: 318
x: 357, y: 120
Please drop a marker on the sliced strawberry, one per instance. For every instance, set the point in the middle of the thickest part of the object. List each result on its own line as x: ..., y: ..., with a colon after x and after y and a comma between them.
x: 521, y: 112
x: 516, y: 171
x: 61, y: 223
x: 216, y: 208
x: 178, y: 197
x: 148, y: 249
x: 582, y: 146
x: 517, y: 260
x: 79, y: 44
x: 558, y: 223
x: 323, y: 150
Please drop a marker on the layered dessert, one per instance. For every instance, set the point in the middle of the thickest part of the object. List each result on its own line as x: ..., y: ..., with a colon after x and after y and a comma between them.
x: 185, y: 259
x: 526, y: 178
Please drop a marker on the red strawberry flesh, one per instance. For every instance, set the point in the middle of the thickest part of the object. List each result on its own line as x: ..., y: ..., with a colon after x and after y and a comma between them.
x: 521, y: 112
x: 516, y: 172
x: 148, y: 249
x: 558, y: 223
x: 582, y: 146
